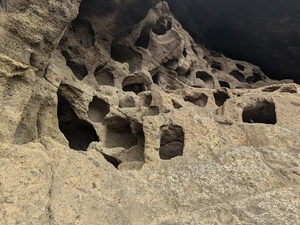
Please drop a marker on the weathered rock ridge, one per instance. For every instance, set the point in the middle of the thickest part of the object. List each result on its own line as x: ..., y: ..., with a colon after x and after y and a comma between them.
x: 112, y: 114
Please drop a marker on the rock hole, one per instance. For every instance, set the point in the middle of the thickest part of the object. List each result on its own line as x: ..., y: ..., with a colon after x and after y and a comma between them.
x: 260, y: 112
x: 206, y: 78
x: 78, y: 132
x: 155, y: 78
x: 136, y: 88
x: 199, y: 100
x: 119, y: 133
x: 84, y: 32
x: 237, y: 75
x: 176, y: 105
x: 215, y: 54
x: 133, y: 84
x: 162, y: 26
x: 144, y: 38
x: 79, y: 70
x: 220, y: 98
x: 171, y: 142
x: 145, y: 100
x: 153, y: 111
x: 239, y: 66
x: 195, y: 50
x: 271, y: 89
x: 224, y: 84
x: 216, y: 65
x: 253, y: 79
x: 172, y: 64
x: 184, y: 53
x: 98, y: 109
x: 123, y: 53
x: 104, y: 77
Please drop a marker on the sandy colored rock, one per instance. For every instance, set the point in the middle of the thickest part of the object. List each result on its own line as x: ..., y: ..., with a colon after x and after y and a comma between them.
x: 126, y: 120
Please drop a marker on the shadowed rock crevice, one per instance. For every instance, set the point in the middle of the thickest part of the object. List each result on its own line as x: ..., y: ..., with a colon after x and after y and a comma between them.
x: 171, y: 142
x: 78, y: 132
x: 260, y: 112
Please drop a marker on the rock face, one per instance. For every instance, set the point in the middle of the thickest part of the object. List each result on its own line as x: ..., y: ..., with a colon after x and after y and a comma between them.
x: 266, y: 33
x: 114, y: 119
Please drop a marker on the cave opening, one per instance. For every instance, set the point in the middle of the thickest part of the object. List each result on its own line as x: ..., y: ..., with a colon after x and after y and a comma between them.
x: 220, y: 98
x: 171, y: 142
x: 206, y: 78
x: 144, y: 38
x: 200, y: 100
x: 238, y: 75
x: 119, y: 133
x: 78, y: 132
x: 224, y: 84
x: 260, y: 112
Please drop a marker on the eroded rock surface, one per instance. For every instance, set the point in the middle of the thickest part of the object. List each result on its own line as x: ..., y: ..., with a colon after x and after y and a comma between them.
x: 126, y: 120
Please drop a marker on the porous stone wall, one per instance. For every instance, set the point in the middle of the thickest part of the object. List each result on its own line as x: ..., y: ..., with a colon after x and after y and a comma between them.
x: 117, y: 116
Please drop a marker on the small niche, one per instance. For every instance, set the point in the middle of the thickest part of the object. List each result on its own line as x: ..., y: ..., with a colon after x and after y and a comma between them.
x: 162, y: 26
x: 220, y: 98
x: 84, y: 32
x: 98, y: 109
x: 253, y: 79
x: 206, y: 78
x: 145, y: 100
x: 171, y: 142
x: 239, y: 66
x: 136, y: 88
x: 155, y: 78
x: 144, y: 38
x: 104, y: 77
x: 133, y: 84
x: 79, y: 70
x: 119, y: 133
x: 78, y: 132
x: 237, y: 75
x: 224, y: 84
x: 198, y: 100
x: 260, y: 112
x: 176, y: 104
x: 216, y: 65
x: 271, y: 89
x: 215, y: 54
x: 172, y: 64
x: 184, y: 53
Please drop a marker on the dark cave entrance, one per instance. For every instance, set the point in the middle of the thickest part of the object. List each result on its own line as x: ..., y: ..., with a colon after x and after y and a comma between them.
x: 78, y: 132
x: 260, y: 112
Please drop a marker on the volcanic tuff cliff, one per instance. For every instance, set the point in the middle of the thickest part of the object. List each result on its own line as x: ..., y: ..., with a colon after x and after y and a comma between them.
x: 112, y: 114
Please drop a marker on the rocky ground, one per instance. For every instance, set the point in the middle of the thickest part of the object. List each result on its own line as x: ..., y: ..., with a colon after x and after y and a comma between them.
x: 112, y: 114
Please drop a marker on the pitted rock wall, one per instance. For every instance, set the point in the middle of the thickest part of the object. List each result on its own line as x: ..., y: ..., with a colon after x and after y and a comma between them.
x: 126, y: 120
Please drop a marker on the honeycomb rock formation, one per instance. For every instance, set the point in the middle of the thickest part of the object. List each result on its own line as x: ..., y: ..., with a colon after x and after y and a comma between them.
x: 114, y: 119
